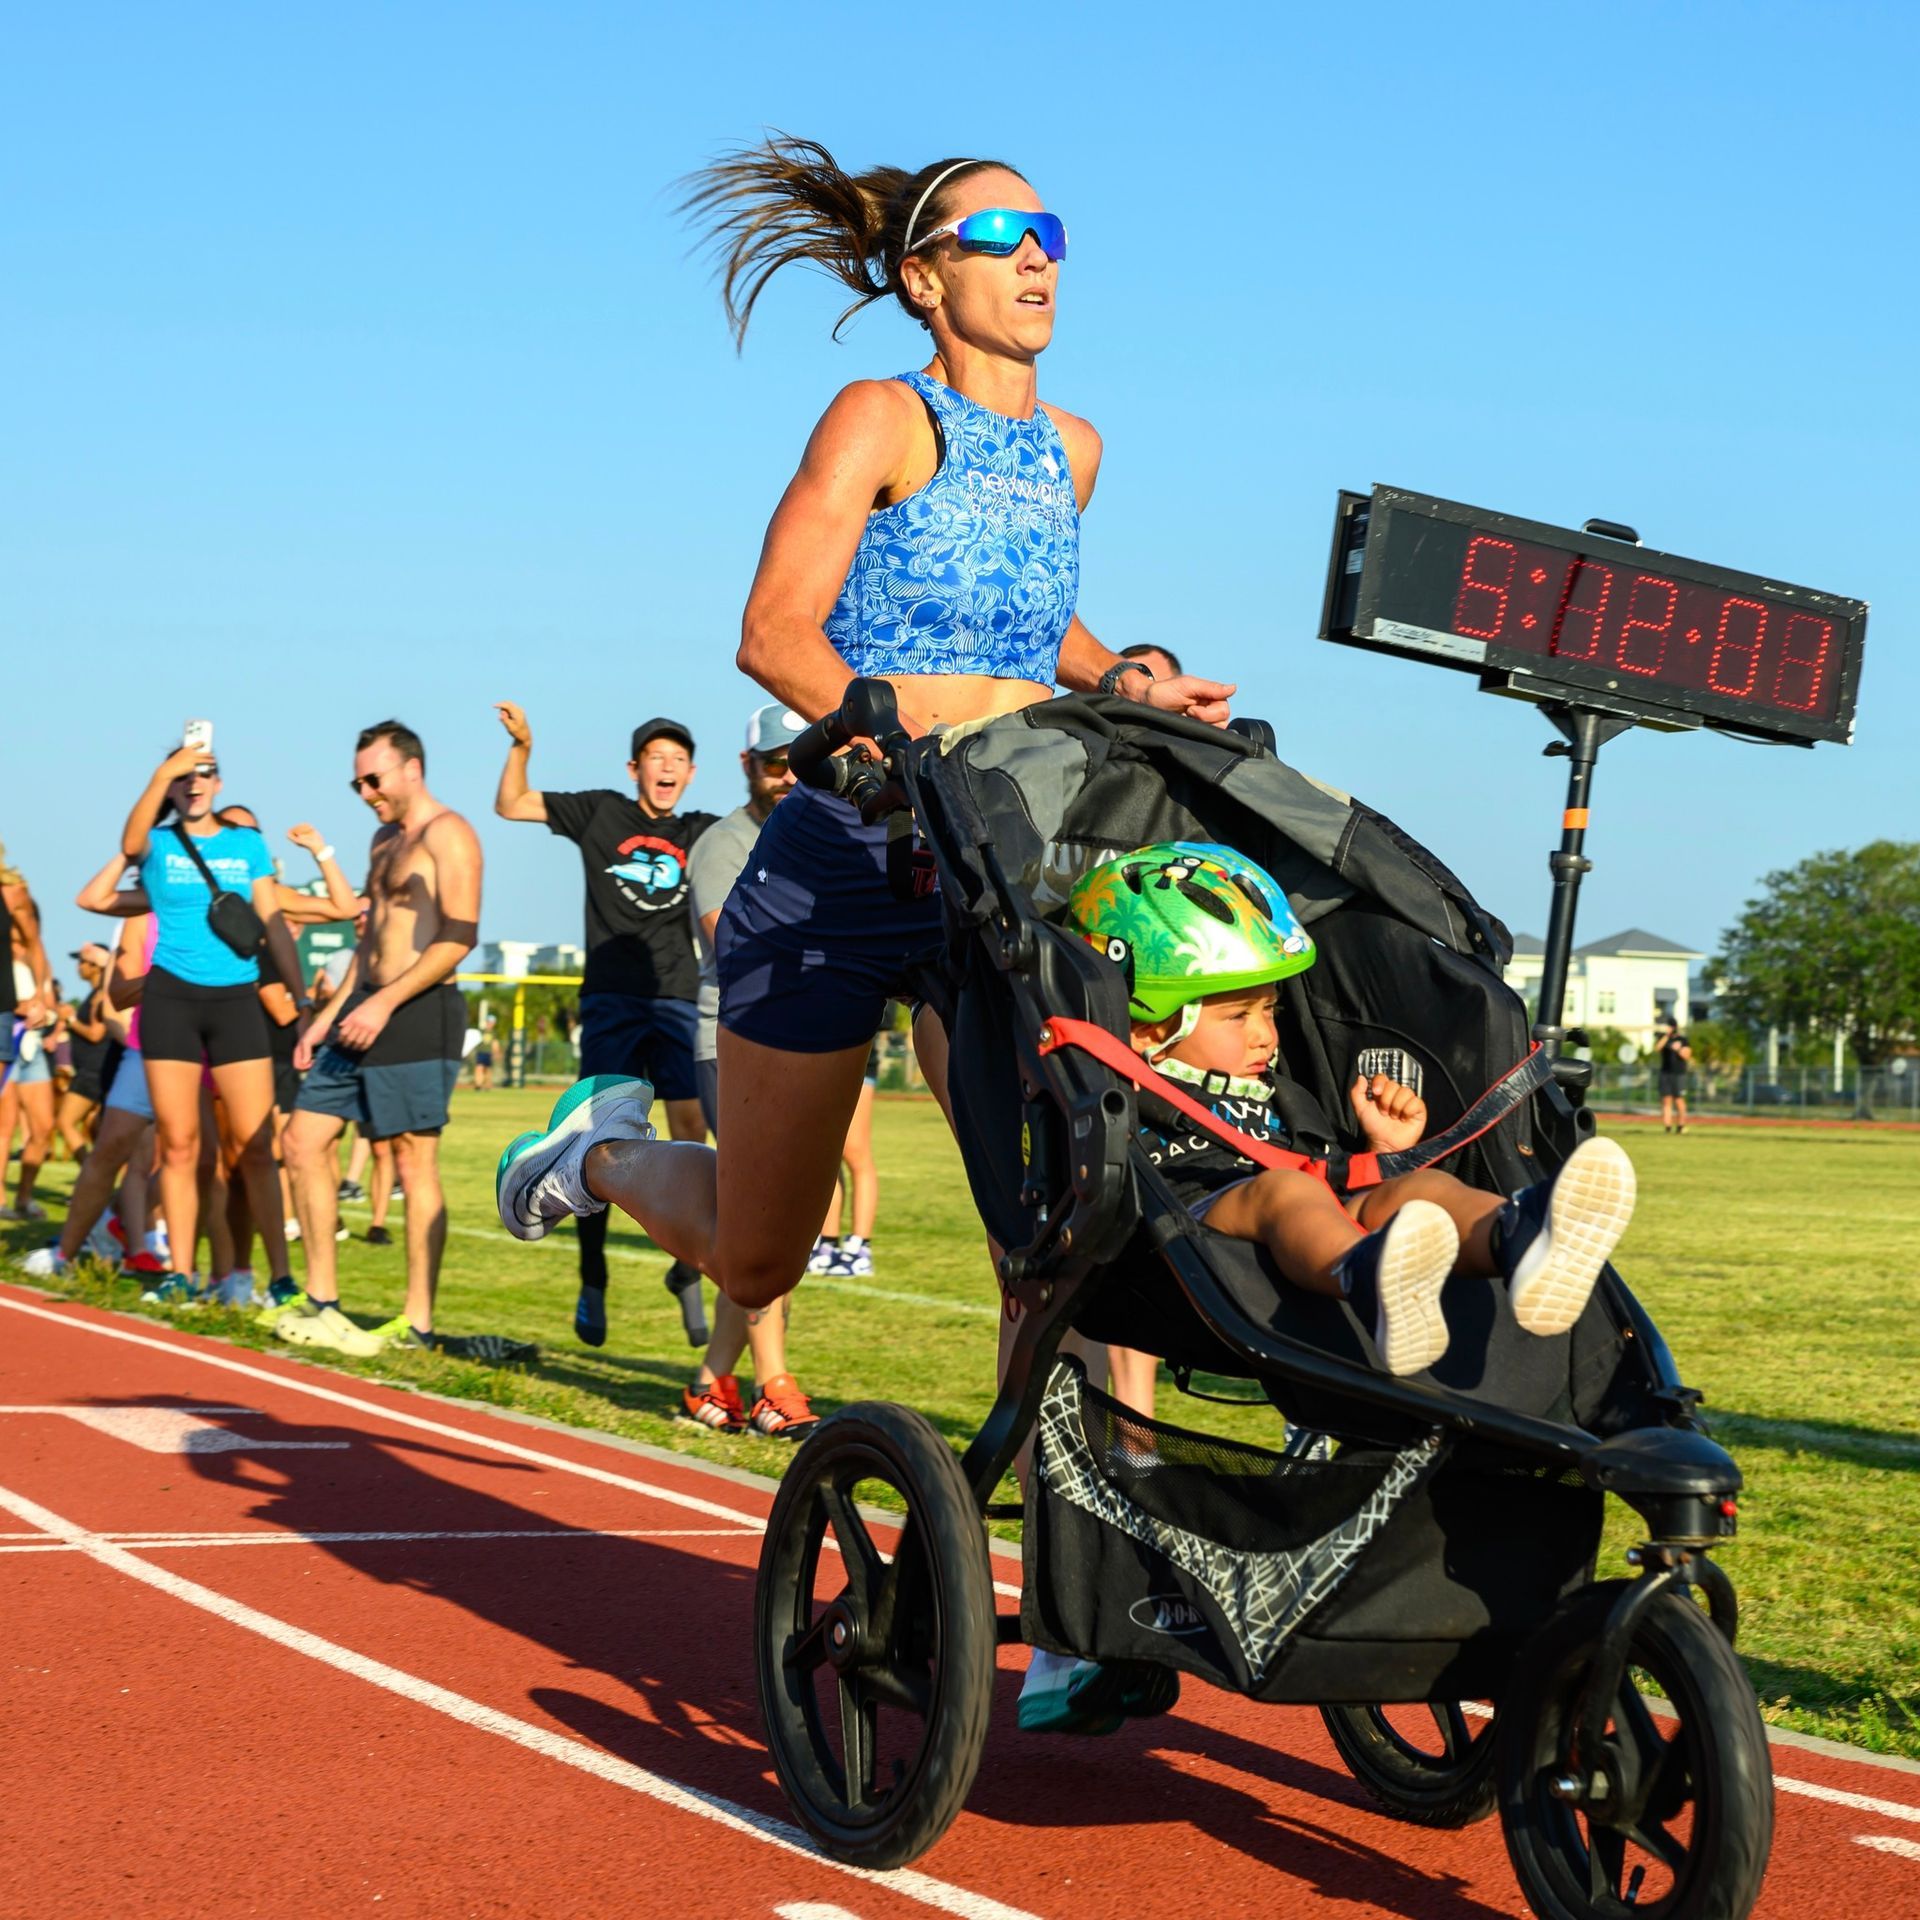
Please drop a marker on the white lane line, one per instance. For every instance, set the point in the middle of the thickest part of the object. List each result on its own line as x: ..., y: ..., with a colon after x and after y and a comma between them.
x: 148, y: 1542
x: 1839, y: 1797
x: 1808, y: 1789
x: 1886, y: 1843
x: 815, y: 1282
x: 1790, y: 1433
x: 178, y: 1429
x: 713, y: 1509
x: 921, y: 1888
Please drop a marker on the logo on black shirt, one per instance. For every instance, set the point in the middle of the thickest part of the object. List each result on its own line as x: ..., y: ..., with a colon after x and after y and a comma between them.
x: 650, y: 873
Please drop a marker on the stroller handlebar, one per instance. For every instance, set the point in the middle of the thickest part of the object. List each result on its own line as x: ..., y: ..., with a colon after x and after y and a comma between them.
x: 867, y: 711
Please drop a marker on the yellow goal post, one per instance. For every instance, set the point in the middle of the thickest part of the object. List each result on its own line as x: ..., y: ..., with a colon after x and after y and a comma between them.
x: 516, y: 1062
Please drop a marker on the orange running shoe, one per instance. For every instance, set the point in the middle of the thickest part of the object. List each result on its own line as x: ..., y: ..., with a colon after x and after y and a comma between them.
x: 717, y: 1405
x: 782, y: 1409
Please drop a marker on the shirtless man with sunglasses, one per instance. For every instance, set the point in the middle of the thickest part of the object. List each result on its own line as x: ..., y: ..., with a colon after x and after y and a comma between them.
x: 385, y: 1051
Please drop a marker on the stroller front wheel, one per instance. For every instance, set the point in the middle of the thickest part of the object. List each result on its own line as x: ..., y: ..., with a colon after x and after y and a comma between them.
x: 875, y: 1698
x: 1683, y: 1828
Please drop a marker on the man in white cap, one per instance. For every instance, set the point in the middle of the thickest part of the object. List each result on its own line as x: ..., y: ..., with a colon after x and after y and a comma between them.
x: 719, y: 858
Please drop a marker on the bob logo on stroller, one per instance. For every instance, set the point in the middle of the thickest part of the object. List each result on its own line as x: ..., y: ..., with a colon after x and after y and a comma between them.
x: 1166, y: 1613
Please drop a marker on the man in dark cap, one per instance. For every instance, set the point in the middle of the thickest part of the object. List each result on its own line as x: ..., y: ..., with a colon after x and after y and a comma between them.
x: 638, y: 1001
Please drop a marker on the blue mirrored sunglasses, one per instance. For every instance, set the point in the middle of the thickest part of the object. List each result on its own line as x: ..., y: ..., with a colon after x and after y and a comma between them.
x: 1000, y: 230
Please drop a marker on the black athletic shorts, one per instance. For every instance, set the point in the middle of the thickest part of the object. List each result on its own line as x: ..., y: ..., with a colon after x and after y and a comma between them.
x: 1673, y: 1086
x: 402, y: 1083
x: 86, y: 1085
x: 221, y: 1026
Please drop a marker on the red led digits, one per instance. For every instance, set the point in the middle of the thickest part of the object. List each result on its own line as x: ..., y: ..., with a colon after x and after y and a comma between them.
x: 1665, y: 638
x: 1492, y: 582
x: 1726, y: 641
x: 1657, y: 631
x: 1817, y: 665
x: 1596, y: 582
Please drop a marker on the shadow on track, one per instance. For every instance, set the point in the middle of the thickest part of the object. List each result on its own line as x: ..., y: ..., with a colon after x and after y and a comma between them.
x: 654, y: 1636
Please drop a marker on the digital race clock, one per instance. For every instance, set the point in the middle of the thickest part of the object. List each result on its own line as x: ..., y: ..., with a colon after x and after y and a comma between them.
x: 1587, y: 619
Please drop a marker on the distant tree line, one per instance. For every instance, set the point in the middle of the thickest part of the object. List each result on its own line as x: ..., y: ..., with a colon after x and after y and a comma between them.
x: 1831, y: 945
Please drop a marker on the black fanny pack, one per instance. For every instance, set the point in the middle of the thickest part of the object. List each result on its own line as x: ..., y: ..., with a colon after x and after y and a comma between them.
x: 230, y: 917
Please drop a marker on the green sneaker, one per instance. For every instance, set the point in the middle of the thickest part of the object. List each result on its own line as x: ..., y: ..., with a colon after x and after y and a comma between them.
x: 283, y: 1296
x: 537, y: 1183
x: 398, y: 1332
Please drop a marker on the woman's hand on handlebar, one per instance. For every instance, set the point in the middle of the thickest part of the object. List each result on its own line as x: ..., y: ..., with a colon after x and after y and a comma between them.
x: 1210, y: 701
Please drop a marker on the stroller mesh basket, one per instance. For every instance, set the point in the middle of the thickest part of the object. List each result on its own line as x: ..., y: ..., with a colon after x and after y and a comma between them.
x: 1284, y: 1577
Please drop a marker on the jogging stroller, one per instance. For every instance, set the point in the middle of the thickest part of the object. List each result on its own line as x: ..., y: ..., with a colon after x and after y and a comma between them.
x: 1430, y: 1539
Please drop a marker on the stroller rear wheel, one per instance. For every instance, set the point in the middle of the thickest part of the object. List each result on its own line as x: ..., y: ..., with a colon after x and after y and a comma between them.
x: 1431, y: 1765
x: 875, y: 1698
x: 1686, y: 1821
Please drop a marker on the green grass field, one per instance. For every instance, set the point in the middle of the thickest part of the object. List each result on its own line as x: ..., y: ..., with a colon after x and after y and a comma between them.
x: 1779, y: 1263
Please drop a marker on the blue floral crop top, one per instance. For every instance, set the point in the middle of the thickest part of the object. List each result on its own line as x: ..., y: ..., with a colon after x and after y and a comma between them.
x: 977, y: 572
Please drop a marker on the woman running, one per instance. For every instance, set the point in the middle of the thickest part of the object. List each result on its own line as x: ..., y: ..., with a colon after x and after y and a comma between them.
x: 200, y: 1009
x: 930, y: 537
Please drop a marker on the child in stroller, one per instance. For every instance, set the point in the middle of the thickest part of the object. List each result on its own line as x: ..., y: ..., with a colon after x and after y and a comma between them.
x: 1204, y: 936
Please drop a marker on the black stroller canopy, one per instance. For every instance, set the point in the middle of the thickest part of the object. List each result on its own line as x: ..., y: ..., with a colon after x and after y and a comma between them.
x: 1407, y: 958
x: 1062, y: 783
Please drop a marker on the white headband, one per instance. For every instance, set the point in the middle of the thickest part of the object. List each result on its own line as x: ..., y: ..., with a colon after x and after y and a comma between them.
x: 920, y: 205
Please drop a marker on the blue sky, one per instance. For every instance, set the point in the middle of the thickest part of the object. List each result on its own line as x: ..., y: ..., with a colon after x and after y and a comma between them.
x: 357, y: 364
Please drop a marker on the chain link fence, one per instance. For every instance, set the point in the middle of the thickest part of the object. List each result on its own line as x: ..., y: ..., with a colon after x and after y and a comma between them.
x: 1877, y: 1093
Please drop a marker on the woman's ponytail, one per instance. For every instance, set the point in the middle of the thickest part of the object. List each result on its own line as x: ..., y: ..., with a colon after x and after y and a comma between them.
x: 789, y: 200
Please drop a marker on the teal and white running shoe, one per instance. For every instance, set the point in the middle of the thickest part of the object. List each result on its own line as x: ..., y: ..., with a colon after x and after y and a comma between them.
x: 176, y: 1290
x: 537, y: 1183
x: 1091, y: 1697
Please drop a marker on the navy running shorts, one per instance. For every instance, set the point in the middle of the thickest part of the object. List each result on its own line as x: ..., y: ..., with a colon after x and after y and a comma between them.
x: 644, y: 1039
x: 813, y: 940
x: 403, y: 1082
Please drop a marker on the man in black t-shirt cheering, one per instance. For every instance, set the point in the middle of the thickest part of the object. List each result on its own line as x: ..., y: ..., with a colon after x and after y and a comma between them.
x: 637, y: 1004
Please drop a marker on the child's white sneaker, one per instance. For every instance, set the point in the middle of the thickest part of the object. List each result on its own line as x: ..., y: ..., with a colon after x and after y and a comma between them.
x: 1551, y: 1240
x: 1406, y: 1264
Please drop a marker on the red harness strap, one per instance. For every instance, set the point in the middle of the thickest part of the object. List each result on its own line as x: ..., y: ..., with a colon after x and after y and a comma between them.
x: 1363, y: 1169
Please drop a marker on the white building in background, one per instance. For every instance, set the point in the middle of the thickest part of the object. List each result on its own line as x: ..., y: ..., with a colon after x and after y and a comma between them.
x: 518, y: 958
x: 1628, y: 981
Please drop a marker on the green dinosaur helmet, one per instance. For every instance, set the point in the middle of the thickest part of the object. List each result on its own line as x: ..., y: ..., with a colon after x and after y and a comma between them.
x: 1186, y: 919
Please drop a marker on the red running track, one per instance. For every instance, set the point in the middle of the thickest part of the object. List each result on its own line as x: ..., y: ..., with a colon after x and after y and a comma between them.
x: 228, y: 1694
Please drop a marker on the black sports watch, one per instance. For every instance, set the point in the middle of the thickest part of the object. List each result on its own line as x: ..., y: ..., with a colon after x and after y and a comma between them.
x: 1110, y: 680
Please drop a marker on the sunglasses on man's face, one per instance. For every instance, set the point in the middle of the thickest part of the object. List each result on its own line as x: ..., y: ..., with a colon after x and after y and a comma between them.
x: 773, y: 763
x: 372, y: 780
x: 1000, y: 230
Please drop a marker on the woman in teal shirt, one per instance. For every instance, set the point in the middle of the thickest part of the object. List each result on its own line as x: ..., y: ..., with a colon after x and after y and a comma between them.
x: 200, y: 1013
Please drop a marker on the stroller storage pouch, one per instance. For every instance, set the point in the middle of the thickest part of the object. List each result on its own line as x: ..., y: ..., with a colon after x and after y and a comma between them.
x: 1146, y: 1542
x: 1378, y: 1574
